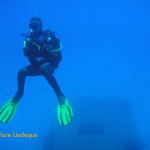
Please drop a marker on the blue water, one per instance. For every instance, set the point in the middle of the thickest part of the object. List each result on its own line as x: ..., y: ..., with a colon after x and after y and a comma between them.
x: 105, y: 73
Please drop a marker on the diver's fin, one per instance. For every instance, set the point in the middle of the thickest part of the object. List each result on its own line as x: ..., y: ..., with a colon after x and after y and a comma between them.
x: 8, y: 111
x: 65, y: 113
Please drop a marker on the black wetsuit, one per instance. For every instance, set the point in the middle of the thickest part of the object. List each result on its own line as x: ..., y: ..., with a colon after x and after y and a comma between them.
x: 44, y: 54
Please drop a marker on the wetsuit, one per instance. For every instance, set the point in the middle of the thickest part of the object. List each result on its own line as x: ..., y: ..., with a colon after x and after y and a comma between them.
x: 44, y: 53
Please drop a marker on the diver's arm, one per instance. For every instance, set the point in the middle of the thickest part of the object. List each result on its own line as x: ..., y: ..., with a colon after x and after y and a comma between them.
x: 28, y: 52
x: 52, y: 48
x: 52, y: 44
x: 52, y: 55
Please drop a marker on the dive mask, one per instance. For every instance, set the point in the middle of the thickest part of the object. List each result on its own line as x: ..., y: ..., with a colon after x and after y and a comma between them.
x: 34, y: 25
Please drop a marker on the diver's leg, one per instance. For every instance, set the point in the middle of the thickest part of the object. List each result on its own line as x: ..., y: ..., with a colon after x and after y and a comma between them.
x: 27, y: 71
x: 64, y: 111
x: 46, y: 71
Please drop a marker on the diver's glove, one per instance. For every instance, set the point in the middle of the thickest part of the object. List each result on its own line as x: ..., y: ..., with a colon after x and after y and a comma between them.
x: 47, y: 49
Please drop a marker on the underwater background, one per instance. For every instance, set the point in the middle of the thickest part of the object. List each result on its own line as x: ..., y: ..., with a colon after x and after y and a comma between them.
x: 105, y: 74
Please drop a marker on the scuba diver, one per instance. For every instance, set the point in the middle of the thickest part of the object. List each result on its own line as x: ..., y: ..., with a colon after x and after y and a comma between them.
x: 43, y: 50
